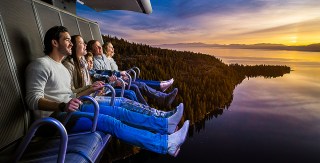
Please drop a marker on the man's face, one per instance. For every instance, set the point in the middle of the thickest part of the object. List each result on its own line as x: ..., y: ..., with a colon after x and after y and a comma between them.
x: 65, y: 44
x: 97, y: 48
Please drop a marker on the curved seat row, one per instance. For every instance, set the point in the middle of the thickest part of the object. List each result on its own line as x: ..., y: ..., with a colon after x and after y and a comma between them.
x: 22, y: 27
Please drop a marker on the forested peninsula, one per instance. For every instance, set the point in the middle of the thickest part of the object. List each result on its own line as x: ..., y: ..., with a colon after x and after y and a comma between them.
x: 205, y: 83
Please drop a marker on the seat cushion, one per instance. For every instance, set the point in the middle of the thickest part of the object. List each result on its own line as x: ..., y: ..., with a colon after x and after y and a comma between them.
x: 81, y: 148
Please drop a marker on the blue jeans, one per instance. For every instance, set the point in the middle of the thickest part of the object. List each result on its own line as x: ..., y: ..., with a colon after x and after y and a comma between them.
x: 141, y: 130
x: 133, y: 106
x: 133, y: 94
x: 149, y: 92
x: 136, y: 89
x: 151, y: 83
x: 129, y: 94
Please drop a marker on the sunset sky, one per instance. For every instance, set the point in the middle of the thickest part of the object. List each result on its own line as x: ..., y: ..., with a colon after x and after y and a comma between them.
x: 289, y: 22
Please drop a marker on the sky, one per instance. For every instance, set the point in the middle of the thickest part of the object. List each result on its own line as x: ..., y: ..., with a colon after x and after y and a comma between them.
x: 289, y: 22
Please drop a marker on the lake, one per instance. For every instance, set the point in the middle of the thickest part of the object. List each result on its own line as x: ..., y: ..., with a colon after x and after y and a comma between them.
x: 269, y: 120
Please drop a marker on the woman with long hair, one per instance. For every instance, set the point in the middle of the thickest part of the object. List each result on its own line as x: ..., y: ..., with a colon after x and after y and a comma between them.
x: 78, y: 69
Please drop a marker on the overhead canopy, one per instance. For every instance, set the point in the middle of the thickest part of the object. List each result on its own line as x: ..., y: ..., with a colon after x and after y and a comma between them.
x: 143, y: 6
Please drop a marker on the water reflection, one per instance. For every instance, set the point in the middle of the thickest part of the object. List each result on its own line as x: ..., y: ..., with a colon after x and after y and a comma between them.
x: 293, y: 59
x: 268, y: 120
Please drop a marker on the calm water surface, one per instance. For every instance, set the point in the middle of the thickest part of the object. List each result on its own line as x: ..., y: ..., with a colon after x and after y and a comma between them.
x: 269, y: 120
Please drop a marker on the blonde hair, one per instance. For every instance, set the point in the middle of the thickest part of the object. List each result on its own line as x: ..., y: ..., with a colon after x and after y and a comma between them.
x: 89, y: 54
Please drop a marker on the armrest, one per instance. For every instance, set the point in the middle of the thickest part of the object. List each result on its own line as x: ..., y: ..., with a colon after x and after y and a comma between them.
x: 113, y: 93
x: 138, y: 71
x: 130, y: 79
x: 123, y: 85
x: 34, y: 127
x: 96, y: 112
x: 134, y: 74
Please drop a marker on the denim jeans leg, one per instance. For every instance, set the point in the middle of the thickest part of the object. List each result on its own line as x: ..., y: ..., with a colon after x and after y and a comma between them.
x: 140, y: 98
x: 72, y: 125
x: 151, y: 93
x: 133, y: 106
x: 129, y: 94
x: 151, y: 83
x: 144, y: 109
x: 142, y: 138
x: 82, y: 121
x: 151, y: 123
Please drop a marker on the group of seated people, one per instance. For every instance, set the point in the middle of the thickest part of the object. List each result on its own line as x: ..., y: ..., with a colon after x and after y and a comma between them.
x: 55, y: 82
x: 93, y: 62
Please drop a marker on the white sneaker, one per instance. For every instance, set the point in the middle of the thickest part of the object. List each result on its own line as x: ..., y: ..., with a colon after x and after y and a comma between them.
x: 176, y: 139
x: 174, y: 120
x: 164, y: 85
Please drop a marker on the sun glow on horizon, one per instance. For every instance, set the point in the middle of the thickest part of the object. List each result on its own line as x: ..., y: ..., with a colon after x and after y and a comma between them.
x: 291, y: 23
x: 293, y: 39
x: 297, y: 39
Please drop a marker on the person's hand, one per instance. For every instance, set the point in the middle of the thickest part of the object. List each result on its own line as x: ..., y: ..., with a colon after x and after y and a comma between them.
x: 124, y: 75
x: 119, y: 83
x: 73, y: 105
x: 112, y: 78
x: 97, y: 85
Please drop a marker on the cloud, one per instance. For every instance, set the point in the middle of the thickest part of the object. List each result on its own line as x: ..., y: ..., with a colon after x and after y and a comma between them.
x: 192, y: 8
x: 305, y: 26
x: 210, y: 21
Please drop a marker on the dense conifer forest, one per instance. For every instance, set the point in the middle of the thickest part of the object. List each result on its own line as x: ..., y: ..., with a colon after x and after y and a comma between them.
x: 205, y: 83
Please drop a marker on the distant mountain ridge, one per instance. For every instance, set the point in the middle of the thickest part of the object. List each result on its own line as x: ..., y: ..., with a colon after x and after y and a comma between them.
x: 311, y: 47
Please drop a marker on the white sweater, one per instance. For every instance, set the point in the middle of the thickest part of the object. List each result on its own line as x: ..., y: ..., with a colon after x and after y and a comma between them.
x: 49, y: 79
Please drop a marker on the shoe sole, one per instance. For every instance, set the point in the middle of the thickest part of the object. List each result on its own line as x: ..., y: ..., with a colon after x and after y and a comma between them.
x: 177, y: 152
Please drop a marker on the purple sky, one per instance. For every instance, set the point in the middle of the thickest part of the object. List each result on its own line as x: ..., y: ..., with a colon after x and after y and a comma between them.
x: 290, y: 22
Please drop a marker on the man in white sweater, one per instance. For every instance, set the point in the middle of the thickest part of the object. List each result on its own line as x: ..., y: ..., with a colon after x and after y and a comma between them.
x: 48, y: 81
x: 49, y: 90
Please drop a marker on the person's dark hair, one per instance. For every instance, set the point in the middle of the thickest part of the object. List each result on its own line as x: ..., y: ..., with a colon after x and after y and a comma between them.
x: 90, y: 45
x: 76, y: 61
x: 52, y: 34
